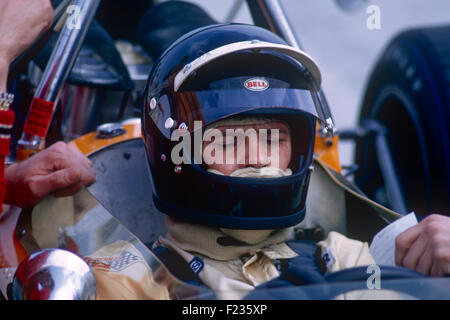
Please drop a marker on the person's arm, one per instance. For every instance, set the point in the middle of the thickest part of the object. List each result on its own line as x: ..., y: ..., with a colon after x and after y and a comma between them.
x: 425, y: 247
x: 58, y: 170
x: 4, y: 67
x: 21, y: 22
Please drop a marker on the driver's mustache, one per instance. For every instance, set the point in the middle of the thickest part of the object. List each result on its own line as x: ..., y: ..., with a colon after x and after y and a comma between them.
x: 254, y: 172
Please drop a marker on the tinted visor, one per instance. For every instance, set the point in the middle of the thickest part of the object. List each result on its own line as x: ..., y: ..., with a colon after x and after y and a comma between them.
x: 210, y: 106
x: 245, y: 81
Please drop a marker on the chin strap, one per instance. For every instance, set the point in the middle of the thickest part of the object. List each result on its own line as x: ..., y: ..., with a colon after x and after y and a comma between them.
x: 6, y: 123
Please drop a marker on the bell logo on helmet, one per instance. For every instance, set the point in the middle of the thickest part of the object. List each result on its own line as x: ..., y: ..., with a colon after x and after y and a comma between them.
x: 256, y: 84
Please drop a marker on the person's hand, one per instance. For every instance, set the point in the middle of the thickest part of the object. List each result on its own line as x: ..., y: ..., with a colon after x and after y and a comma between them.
x: 21, y: 22
x: 425, y: 247
x: 60, y: 170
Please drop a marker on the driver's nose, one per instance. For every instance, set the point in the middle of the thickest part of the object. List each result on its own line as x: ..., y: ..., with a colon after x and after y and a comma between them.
x: 256, y: 154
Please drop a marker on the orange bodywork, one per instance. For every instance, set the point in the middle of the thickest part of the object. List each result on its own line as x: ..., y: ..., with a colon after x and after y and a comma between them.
x: 89, y: 143
x: 326, y: 149
x: 23, y: 154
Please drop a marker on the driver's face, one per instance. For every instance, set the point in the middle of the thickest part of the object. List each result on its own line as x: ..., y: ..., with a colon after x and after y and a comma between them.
x: 258, y: 150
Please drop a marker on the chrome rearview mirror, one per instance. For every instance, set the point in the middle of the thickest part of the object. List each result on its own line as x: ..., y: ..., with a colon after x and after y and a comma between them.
x: 54, y: 274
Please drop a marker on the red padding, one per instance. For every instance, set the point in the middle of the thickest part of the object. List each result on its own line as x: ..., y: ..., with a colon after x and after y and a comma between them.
x: 39, y: 117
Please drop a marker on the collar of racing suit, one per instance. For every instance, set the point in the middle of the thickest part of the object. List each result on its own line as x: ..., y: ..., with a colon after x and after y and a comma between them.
x: 230, y: 267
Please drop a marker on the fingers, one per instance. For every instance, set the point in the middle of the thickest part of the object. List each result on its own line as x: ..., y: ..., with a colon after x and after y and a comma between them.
x: 85, y: 161
x: 426, y: 246
x: 440, y: 268
x: 67, y: 172
x: 87, y: 174
x: 61, y: 179
x: 81, y: 167
x: 425, y: 261
x: 415, y: 252
x: 404, y: 241
x: 59, y: 170
x: 62, y: 157
x: 84, y: 165
x: 63, y: 183
x: 441, y: 251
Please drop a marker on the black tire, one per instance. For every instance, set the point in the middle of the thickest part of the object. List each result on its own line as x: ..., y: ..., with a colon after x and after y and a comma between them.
x: 409, y: 93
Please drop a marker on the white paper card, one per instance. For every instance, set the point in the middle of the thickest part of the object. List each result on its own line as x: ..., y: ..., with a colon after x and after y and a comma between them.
x: 382, y: 247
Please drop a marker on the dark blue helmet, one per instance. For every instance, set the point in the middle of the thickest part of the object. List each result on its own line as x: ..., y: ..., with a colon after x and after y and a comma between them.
x: 222, y: 72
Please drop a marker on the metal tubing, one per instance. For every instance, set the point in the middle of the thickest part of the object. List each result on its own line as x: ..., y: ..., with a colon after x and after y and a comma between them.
x: 393, y: 188
x: 61, y: 61
x: 279, y: 20
x: 234, y: 10
x: 66, y: 51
